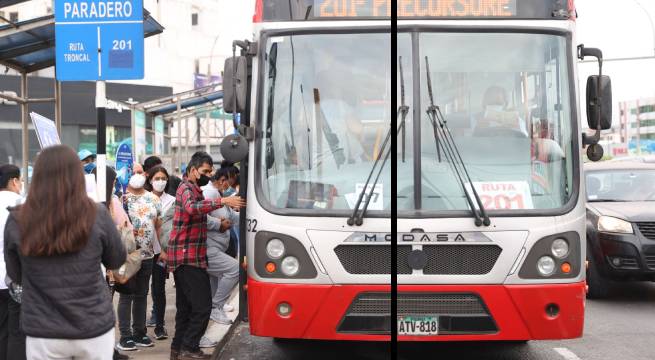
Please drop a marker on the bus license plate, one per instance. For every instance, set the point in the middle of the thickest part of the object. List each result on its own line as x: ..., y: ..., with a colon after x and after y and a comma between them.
x: 418, y: 325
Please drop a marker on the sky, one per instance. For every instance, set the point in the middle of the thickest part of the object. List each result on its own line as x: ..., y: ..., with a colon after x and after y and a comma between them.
x: 620, y: 28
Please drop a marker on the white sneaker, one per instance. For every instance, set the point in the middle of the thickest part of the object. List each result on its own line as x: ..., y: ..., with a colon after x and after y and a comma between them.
x: 220, y: 317
x: 206, y: 343
x: 228, y: 308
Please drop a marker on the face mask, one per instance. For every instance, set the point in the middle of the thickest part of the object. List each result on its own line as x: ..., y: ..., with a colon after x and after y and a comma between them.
x: 203, y: 180
x: 159, y: 185
x: 88, y: 168
x: 137, y: 181
x: 229, y: 191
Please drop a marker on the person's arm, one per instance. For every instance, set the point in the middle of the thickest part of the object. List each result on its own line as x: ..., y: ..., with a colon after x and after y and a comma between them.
x: 167, y: 226
x: 233, y: 216
x: 12, y: 259
x: 113, y: 252
x: 158, y: 219
x: 194, y: 207
x: 214, y: 224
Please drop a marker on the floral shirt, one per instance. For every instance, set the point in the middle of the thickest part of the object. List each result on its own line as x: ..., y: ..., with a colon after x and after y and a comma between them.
x: 144, y: 211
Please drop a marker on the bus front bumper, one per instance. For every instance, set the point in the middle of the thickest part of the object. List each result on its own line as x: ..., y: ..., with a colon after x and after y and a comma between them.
x: 517, y: 312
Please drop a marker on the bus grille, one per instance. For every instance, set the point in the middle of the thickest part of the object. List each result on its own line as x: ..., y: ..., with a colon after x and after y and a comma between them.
x: 441, y: 259
x: 459, y: 313
x: 460, y: 259
x: 418, y: 304
x: 648, y: 229
x: 371, y: 259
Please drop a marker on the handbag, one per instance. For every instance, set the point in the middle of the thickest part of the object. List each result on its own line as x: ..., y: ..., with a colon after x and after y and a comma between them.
x: 132, y: 263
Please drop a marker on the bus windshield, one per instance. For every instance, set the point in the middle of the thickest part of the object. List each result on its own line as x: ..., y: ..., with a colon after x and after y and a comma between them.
x: 506, y: 99
x: 326, y: 109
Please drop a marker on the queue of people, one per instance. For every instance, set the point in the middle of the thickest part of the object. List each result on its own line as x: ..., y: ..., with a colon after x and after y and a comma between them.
x: 74, y: 258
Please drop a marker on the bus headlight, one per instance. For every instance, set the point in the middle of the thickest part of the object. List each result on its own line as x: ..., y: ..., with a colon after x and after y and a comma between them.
x: 560, y: 248
x: 275, y: 248
x: 614, y: 225
x: 290, y: 266
x: 546, y: 266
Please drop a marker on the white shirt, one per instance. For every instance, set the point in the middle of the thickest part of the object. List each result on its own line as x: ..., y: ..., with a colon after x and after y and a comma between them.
x: 167, y: 201
x: 7, y: 199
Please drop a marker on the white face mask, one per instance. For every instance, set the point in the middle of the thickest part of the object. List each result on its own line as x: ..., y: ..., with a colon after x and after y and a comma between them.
x: 137, y: 181
x: 159, y: 185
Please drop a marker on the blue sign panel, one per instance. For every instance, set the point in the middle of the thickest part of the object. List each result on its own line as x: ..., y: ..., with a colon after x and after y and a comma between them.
x: 99, y: 39
x: 124, y: 164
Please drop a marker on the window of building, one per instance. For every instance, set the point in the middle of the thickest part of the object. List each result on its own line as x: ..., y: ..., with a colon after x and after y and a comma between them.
x: 13, y: 16
x: 194, y: 19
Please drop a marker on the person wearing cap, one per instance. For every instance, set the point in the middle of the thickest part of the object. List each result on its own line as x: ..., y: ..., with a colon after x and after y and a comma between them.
x: 88, y: 160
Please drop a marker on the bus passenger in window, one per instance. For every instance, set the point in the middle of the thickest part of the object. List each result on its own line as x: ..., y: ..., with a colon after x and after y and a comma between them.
x: 496, y: 115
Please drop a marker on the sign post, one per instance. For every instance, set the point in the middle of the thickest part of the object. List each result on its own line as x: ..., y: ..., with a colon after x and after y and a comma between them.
x: 99, y: 40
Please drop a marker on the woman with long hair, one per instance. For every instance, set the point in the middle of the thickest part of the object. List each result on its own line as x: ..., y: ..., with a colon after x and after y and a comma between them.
x: 157, y: 182
x: 55, y: 244
x: 144, y: 210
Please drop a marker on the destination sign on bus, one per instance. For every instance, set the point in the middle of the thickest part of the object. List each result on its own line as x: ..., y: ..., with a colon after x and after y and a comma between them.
x: 415, y: 8
x: 304, y: 10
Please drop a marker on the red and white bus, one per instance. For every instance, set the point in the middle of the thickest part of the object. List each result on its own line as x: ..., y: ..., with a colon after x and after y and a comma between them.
x: 314, y: 88
x: 490, y: 202
x: 490, y: 235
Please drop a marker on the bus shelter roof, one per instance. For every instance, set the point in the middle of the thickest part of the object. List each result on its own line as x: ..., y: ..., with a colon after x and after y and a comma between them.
x: 29, y: 45
x: 190, y: 103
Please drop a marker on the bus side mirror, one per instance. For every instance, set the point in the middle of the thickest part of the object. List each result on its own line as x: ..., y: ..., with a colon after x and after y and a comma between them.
x: 234, y: 148
x: 235, y: 82
x: 602, y: 106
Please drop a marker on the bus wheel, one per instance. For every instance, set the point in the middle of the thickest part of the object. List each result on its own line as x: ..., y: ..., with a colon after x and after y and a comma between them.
x: 598, y: 286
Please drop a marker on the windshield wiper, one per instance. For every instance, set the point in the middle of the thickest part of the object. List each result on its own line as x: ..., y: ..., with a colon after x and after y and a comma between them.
x: 356, y: 218
x: 403, y: 110
x: 450, y: 150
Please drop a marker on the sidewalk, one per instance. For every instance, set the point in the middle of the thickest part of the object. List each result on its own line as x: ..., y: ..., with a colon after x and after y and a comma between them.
x: 162, y: 348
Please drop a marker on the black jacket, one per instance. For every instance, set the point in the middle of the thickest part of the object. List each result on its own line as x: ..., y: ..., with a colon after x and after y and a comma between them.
x: 66, y: 296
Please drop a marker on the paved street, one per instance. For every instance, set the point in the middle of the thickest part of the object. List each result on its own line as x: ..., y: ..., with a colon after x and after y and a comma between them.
x: 620, y: 327
x: 161, y: 350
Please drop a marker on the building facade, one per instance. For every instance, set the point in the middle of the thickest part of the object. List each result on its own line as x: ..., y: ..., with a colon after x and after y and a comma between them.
x: 636, y: 128
x: 197, y: 39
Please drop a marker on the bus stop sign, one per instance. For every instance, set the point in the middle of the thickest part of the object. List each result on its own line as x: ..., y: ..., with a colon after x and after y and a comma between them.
x: 99, y: 39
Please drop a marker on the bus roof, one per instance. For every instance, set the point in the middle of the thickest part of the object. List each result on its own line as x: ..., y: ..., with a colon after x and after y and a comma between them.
x: 308, y: 10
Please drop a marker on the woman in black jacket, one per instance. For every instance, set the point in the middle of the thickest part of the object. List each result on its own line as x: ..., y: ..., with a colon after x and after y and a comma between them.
x: 54, y: 247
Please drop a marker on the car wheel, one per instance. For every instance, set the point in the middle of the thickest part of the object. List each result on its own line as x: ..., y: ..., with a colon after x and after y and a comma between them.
x: 598, y: 286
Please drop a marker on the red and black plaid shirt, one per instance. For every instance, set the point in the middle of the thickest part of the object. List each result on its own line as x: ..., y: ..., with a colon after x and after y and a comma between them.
x: 188, y: 240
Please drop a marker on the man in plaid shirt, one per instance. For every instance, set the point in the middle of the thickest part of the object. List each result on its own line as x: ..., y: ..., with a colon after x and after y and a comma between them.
x: 187, y: 257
